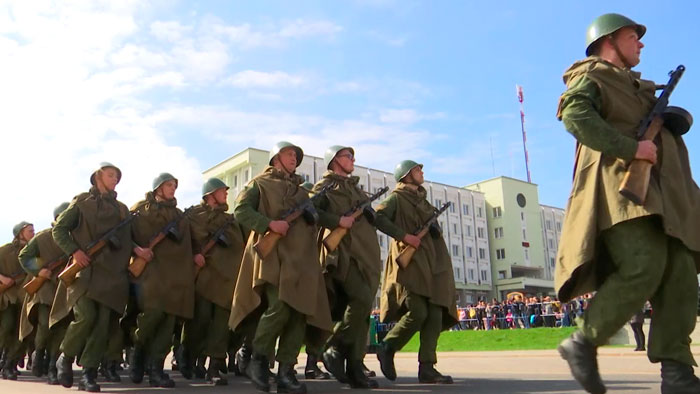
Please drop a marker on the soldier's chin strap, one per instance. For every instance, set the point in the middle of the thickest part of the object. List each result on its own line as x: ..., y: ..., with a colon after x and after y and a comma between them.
x: 622, y: 57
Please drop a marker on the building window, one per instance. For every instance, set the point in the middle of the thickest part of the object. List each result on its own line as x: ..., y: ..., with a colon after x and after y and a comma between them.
x: 527, y: 255
x: 454, y: 226
x: 465, y: 209
x: 524, y: 235
x: 438, y: 202
x: 548, y: 224
x: 479, y: 212
x: 469, y: 231
x: 497, y: 212
x: 452, y: 208
x: 482, y: 253
x: 458, y: 273
x: 381, y: 240
x: 501, y: 274
x: 522, y: 216
x: 471, y: 274
x: 498, y: 232
x: 551, y: 261
x: 235, y: 180
x: 551, y: 243
x: 245, y: 176
x: 455, y: 250
x: 558, y: 226
x: 469, y: 251
x: 484, y: 275
x: 480, y: 232
x: 500, y: 254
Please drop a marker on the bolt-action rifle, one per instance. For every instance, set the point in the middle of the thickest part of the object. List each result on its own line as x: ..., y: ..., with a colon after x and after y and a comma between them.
x: 406, y: 255
x: 35, y: 284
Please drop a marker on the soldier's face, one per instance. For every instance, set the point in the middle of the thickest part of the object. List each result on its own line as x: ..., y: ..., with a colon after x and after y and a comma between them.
x: 416, y: 175
x: 629, y: 45
x: 27, y: 233
x: 287, y: 159
x: 167, y: 190
x: 346, y: 160
x: 109, y: 177
x: 220, y: 195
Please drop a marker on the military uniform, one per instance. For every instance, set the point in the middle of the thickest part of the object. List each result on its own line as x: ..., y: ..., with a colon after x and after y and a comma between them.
x: 421, y: 297
x: 626, y: 252
x: 100, y: 291
x: 208, y: 333
x: 10, y: 307
x: 289, y: 279
x: 37, y: 254
x: 165, y: 289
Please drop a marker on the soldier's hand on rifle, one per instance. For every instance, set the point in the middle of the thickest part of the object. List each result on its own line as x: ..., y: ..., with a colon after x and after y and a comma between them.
x: 45, y: 273
x: 646, y: 150
x: 80, y: 258
x: 144, y: 253
x: 279, y: 227
x: 346, y: 221
x: 411, y: 240
x: 199, y: 260
x: 5, y: 280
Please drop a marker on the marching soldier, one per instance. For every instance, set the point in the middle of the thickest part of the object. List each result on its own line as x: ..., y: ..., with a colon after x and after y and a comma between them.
x: 207, y: 335
x: 34, y: 257
x: 421, y: 296
x: 627, y: 252
x: 12, y: 278
x: 289, y: 280
x: 99, y: 293
x: 165, y: 289
x: 354, y: 268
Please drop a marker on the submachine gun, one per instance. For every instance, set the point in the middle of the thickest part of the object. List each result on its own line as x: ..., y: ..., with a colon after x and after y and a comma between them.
x: 333, y: 239
x: 405, y: 256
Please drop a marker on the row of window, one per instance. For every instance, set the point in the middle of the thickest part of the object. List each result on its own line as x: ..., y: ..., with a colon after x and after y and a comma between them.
x: 470, y: 274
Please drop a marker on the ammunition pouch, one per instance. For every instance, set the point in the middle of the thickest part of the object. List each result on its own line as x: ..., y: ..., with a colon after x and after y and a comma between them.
x: 677, y: 120
x: 174, y: 234
x: 435, y: 230
x: 370, y: 214
x: 310, y: 215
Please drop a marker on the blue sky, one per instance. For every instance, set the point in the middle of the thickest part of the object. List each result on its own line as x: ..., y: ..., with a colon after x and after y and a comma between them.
x: 180, y: 86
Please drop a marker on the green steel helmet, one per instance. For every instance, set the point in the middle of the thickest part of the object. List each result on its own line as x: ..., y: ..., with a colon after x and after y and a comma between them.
x: 332, y: 152
x: 19, y: 227
x: 59, y: 209
x: 104, y: 165
x: 212, y: 185
x: 607, y: 24
x: 307, y: 185
x: 402, y: 169
x: 284, y: 144
x: 162, y: 178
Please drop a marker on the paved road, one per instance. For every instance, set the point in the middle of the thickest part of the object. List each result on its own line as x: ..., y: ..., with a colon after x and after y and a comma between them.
x: 538, y: 371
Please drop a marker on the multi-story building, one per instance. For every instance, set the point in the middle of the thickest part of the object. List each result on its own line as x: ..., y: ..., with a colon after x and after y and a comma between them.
x: 516, y: 236
x: 552, y: 219
x: 464, y: 225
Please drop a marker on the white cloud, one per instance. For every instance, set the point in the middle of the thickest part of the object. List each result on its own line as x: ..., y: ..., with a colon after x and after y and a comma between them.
x: 260, y: 79
x: 169, y: 30
x: 301, y: 28
x: 406, y: 116
x: 277, y: 35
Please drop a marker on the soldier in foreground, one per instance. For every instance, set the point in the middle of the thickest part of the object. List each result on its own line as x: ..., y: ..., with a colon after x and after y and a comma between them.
x: 36, y: 257
x: 165, y: 287
x: 287, y: 278
x: 98, y: 294
x: 12, y: 279
x: 353, y: 268
x: 627, y: 252
x: 420, y: 297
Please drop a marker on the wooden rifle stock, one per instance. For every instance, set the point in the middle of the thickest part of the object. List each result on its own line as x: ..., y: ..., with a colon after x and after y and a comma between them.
x: 333, y: 239
x: 207, y: 247
x: 268, y: 241
x: 72, y: 269
x: 35, y: 284
x: 4, y: 288
x: 138, y: 264
x: 635, y: 183
x: 406, y: 254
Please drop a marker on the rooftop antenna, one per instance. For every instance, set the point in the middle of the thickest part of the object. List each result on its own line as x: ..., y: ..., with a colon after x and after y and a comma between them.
x: 519, y: 90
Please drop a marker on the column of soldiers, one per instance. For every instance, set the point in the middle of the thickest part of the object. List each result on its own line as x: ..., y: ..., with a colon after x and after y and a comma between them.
x: 253, y: 286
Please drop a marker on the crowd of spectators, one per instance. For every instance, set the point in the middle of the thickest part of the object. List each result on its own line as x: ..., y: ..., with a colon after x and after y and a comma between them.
x: 517, y: 312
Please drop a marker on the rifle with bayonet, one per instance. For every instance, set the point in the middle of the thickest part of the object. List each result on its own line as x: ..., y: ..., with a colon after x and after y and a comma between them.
x: 35, y: 284
x: 217, y: 237
x: 635, y: 184
x: 14, y: 277
x: 68, y: 274
x: 137, y: 263
x: 333, y: 239
x: 306, y: 209
x: 405, y: 256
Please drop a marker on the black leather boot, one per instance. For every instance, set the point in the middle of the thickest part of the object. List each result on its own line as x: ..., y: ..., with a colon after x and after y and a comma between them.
x: 136, y: 364
x: 242, y: 359
x: 385, y: 355
x: 334, y: 361
x: 312, y: 371
x: 368, y: 372
x: 184, y: 362
x: 287, y: 381
x: 158, y: 378
x: 200, y: 371
x: 88, y: 382
x: 582, y: 356
x: 357, y: 377
x: 38, y: 362
x: 52, y: 372
x: 64, y: 367
x: 231, y: 366
x: 214, y: 372
x: 678, y: 378
x: 8, y: 370
x: 258, y: 372
x: 428, y: 374
x: 110, y: 372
